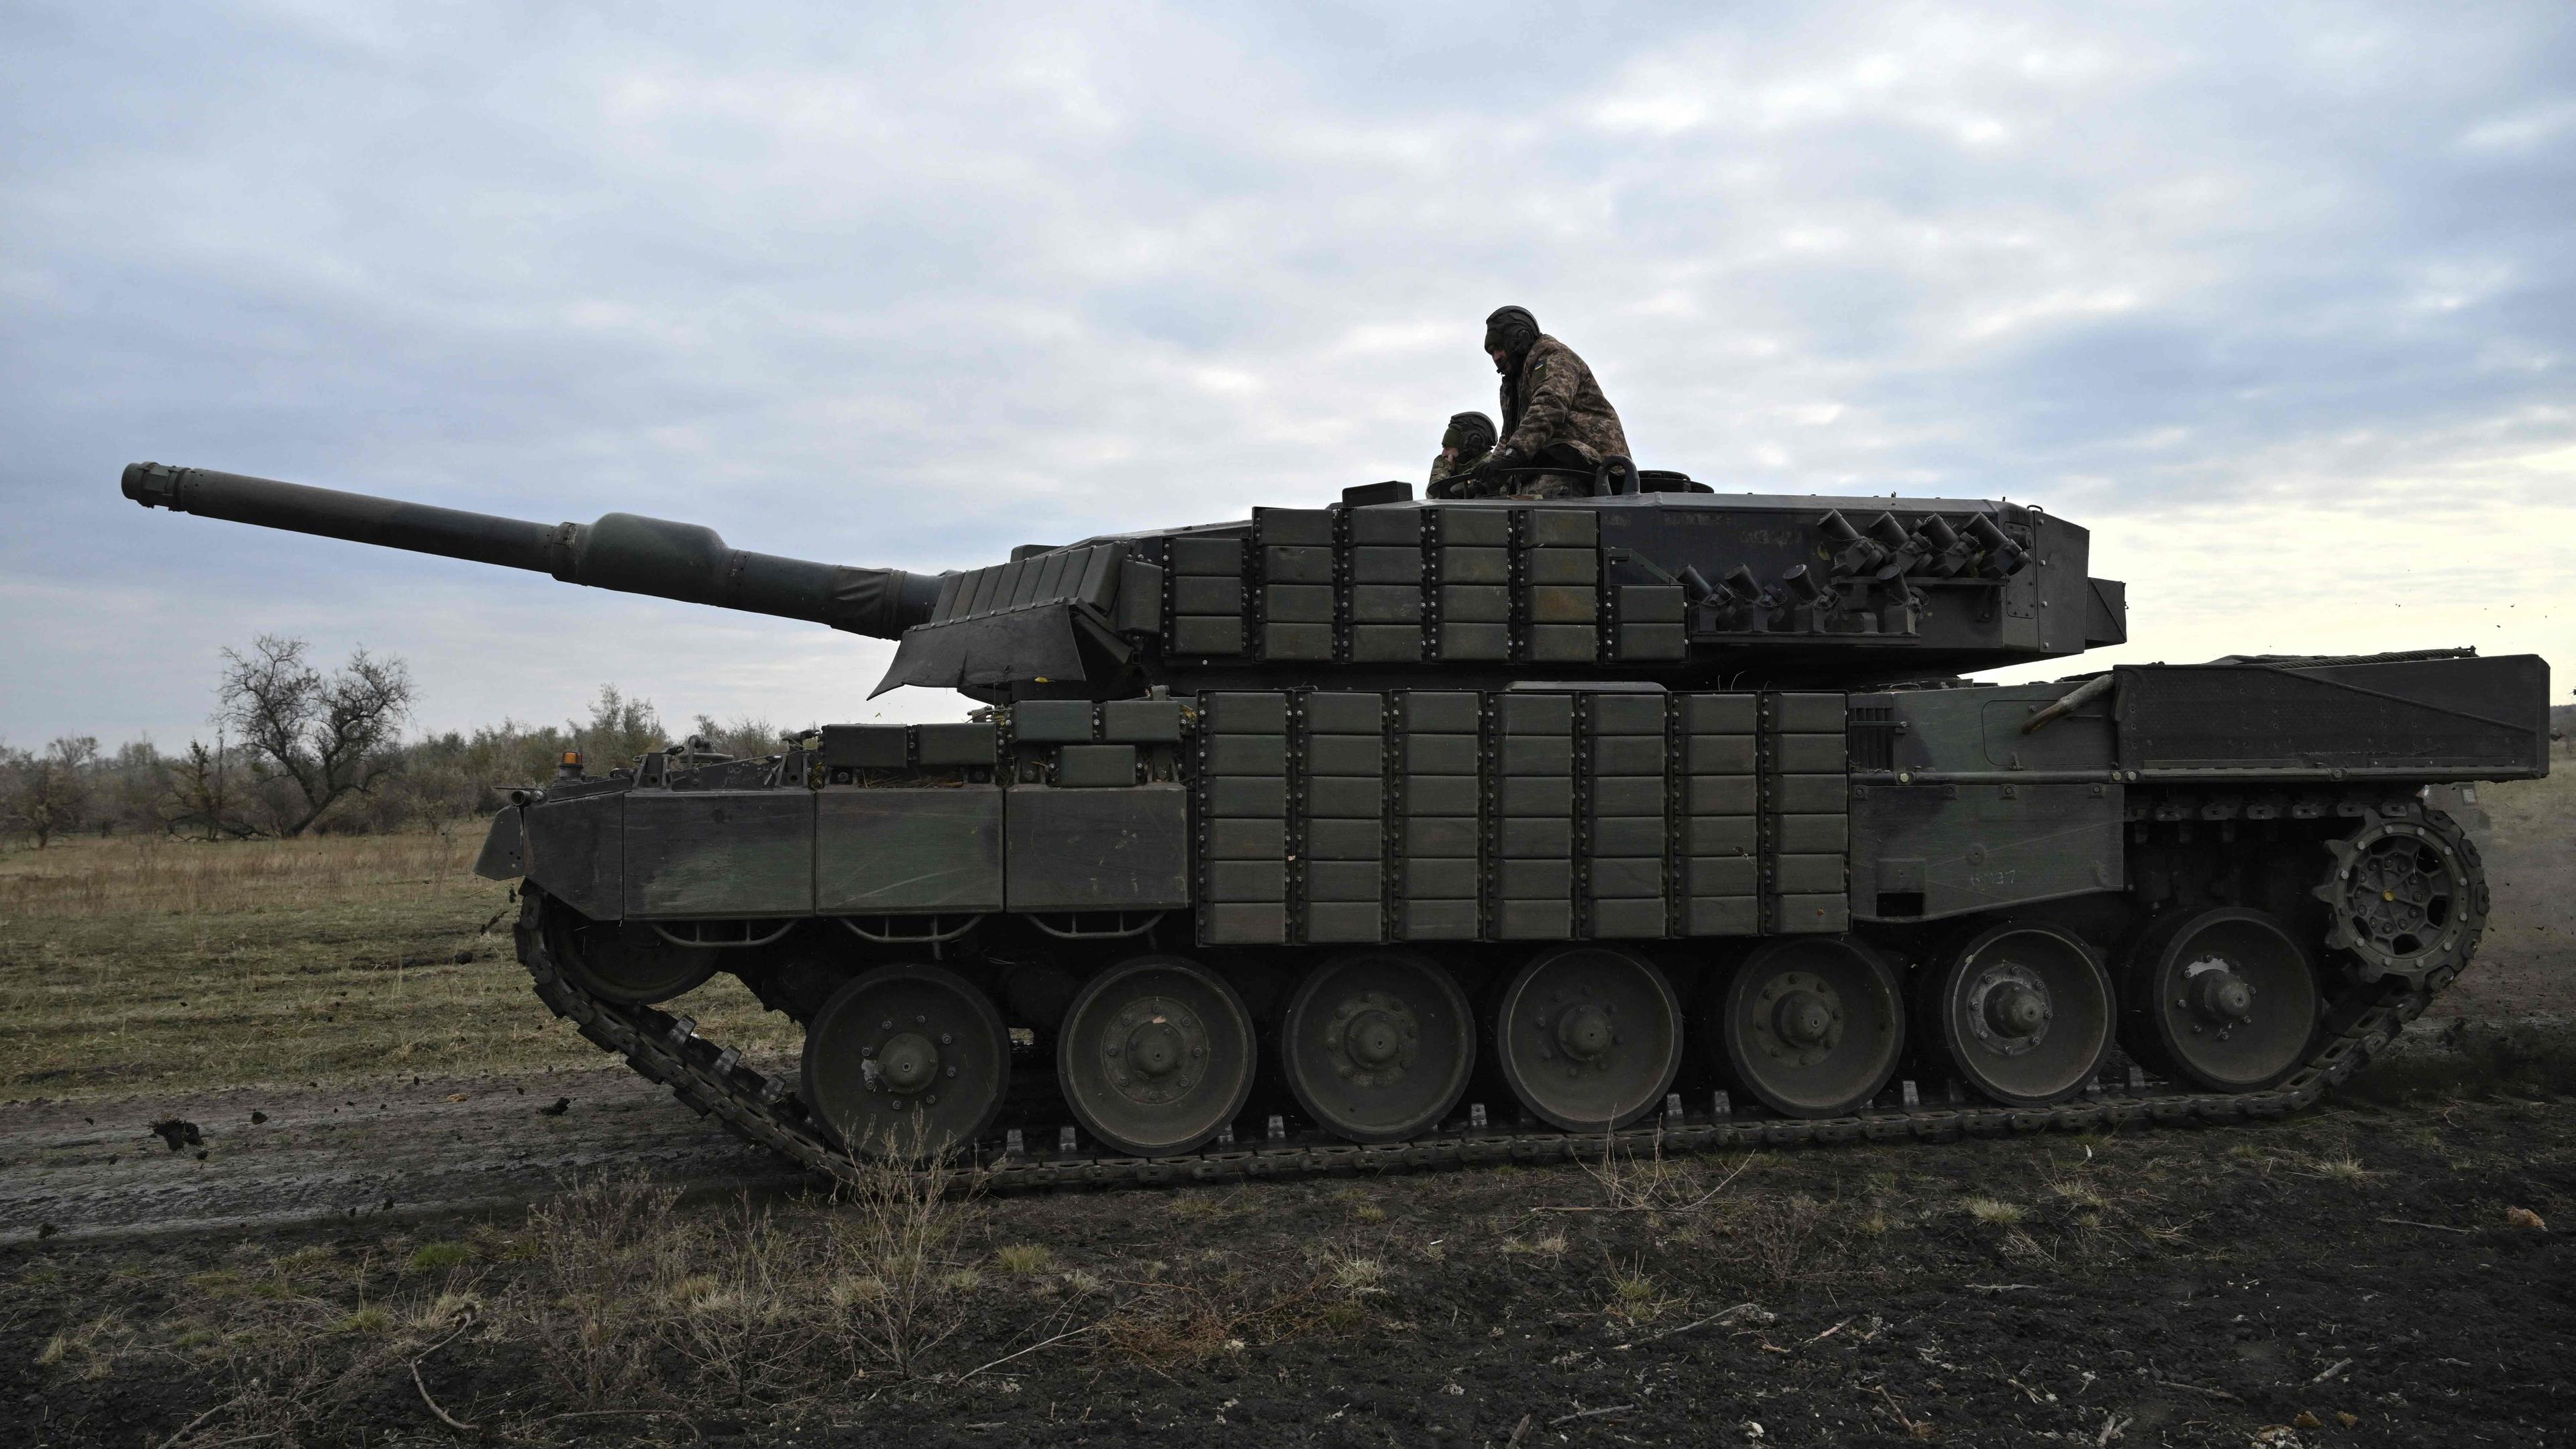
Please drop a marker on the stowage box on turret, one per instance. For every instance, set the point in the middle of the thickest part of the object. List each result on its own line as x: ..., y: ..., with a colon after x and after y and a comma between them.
x: 1397, y: 833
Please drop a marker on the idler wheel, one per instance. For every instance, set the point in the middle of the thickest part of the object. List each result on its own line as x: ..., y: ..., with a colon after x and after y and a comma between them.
x: 625, y: 962
x: 1589, y: 1037
x: 906, y: 1061
x: 1812, y: 1025
x: 2225, y: 999
x: 1377, y: 1044
x: 2023, y: 1013
x: 1156, y: 1055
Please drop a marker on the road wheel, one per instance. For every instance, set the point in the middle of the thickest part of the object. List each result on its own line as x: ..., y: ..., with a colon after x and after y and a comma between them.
x: 2023, y: 1013
x: 1377, y: 1044
x: 906, y: 1061
x: 1812, y: 1025
x: 2225, y: 999
x: 1589, y: 1037
x: 1155, y: 1056
x: 625, y: 962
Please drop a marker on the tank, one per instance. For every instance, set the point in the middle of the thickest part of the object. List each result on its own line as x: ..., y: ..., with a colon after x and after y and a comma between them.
x: 1399, y: 833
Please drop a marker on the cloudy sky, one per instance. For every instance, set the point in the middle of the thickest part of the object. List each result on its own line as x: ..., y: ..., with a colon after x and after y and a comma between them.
x: 2275, y: 299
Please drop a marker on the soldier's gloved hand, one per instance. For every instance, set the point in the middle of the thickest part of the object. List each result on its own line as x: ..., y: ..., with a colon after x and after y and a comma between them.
x: 1501, y: 461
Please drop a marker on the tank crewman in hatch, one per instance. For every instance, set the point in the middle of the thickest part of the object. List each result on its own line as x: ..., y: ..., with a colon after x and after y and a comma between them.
x: 1463, y: 449
x: 1554, y: 414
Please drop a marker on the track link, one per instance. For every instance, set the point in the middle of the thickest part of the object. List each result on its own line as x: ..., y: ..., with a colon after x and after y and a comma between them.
x: 762, y: 1109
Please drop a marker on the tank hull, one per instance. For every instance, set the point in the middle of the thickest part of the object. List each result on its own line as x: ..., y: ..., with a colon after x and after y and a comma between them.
x: 1263, y: 835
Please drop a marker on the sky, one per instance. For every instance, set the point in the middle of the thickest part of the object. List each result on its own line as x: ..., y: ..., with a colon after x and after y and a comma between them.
x: 2276, y: 300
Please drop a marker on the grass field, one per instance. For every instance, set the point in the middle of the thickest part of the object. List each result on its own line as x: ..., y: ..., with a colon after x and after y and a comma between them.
x: 135, y: 963
x: 129, y: 964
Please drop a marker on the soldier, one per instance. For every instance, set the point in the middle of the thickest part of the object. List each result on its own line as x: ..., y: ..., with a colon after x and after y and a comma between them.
x: 1554, y: 415
x: 1463, y: 449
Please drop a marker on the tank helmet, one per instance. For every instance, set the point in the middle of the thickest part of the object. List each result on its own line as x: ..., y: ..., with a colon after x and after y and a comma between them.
x: 1512, y: 330
x: 1469, y: 433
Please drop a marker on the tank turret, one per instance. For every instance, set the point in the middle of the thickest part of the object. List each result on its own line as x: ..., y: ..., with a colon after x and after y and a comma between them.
x: 1680, y: 586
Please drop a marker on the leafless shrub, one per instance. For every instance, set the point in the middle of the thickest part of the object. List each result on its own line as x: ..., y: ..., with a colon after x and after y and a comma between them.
x: 1787, y: 1239
x: 1651, y: 1182
x: 744, y: 1316
x: 890, y: 1257
x: 610, y: 1248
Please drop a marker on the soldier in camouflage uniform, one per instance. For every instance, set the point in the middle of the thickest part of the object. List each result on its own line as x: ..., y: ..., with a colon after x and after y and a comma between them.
x: 1463, y: 449
x: 1554, y: 414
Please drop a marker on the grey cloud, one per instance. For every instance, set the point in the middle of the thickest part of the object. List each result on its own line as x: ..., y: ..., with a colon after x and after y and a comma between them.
x: 912, y: 289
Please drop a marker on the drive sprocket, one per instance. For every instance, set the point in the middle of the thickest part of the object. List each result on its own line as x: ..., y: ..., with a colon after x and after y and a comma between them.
x: 2406, y: 896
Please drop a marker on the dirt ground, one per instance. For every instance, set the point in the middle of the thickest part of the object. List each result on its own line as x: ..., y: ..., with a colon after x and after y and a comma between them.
x: 2247, y: 1285
x: 2526, y: 832
x: 377, y: 1243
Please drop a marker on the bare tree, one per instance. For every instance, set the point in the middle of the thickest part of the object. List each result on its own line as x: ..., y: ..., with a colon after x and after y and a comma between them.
x: 47, y: 793
x: 327, y: 735
x: 201, y: 792
x: 131, y: 786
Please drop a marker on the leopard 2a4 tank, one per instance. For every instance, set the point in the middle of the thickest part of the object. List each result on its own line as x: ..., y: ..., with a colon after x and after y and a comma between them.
x: 1399, y: 833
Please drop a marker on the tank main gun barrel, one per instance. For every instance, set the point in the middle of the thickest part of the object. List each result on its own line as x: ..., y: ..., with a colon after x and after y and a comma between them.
x: 622, y: 551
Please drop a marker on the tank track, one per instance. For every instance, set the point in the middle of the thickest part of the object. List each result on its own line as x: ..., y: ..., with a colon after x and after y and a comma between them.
x: 764, y: 1110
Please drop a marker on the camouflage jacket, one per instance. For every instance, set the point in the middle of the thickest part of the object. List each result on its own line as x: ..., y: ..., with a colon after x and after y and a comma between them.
x: 1442, y: 469
x: 1553, y: 401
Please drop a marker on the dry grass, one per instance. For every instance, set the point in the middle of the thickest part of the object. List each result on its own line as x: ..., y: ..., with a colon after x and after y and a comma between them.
x: 621, y: 1303
x: 80, y: 877
x: 1356, y: 1276
x: 1176, y: 1324
x: 131, y: 964
x: 1635, y: 1297
x: 1023, y: 1259
x: 826, y: 1312
x: 2534, y: 809
x: 1650, y: 1182
x: 440, y: 1257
